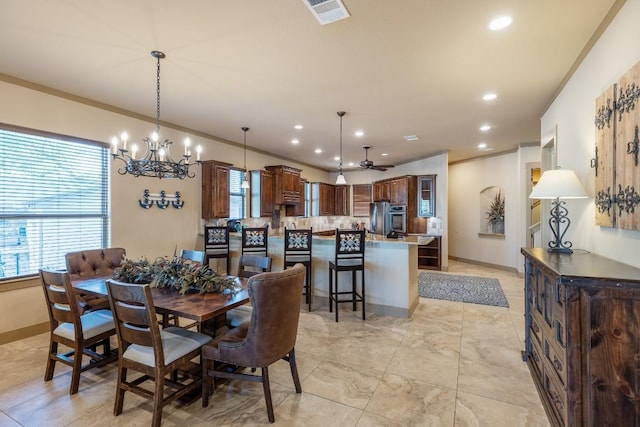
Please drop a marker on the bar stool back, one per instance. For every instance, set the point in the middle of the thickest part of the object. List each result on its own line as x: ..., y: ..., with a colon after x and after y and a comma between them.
x: 255, y: 241
x: 349, y: 256
x: 216, y: 244
x: 297, y: 249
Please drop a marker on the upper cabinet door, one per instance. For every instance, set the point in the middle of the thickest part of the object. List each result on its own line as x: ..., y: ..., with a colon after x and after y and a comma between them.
x: 427, y: 196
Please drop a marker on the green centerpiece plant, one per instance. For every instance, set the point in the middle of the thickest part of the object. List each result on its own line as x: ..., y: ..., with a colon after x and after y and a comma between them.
x: 495, y: 214
x: 177, y: 273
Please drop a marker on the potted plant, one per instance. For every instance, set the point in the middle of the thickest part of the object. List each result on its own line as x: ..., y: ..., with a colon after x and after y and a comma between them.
x: 495, y: 214
x: 177, y: 273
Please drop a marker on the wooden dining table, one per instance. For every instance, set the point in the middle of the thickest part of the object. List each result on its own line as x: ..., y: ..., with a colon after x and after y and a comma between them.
x: 191, y: 305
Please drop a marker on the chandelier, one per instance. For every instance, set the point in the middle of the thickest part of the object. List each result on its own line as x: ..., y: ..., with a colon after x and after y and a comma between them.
x: 340, y: 179
x: 156, y: 161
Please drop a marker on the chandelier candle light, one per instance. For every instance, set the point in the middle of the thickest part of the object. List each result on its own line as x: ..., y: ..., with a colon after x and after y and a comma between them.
x: 555, y: 185
x: 340, y: 180
x: 156, y: 160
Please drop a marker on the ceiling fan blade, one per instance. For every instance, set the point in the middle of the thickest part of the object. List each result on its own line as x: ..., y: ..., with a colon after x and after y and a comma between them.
x: 384, y: 166
x: 379, y: 168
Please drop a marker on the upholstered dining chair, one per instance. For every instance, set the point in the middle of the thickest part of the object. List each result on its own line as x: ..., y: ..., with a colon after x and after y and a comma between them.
x: 267, y: 338
x: 93, y: 263
x: 216, y: 244
x: 155, y: 353
x: 82, y: 333
x: 249, y: 266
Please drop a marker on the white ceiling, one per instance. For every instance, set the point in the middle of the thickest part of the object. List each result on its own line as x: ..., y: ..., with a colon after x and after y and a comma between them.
x: 401, y: 67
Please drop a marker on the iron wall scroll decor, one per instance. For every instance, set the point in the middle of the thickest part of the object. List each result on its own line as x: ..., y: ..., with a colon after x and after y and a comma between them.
x: 617, y: 154
x: 161, y: 200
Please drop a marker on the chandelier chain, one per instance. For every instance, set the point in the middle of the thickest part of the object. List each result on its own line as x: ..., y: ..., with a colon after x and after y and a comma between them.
x: 158, y: 96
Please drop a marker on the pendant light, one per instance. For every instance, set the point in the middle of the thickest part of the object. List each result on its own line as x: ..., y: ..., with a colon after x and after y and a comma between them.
x: 340, y: 180
x: 245, y: 183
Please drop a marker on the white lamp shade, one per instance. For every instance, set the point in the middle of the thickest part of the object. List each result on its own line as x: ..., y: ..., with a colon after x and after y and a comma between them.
x: 340, y: 180
x: 245, y: 184
x: 558, y: 184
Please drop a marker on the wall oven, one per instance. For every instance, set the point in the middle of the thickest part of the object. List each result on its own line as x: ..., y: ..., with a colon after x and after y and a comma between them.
x: 398, y: 218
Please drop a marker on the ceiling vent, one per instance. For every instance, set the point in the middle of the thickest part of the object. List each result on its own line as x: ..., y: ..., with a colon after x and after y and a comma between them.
x: 327, y: 11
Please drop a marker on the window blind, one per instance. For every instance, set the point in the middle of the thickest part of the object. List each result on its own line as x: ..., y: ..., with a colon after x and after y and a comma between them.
x: 236, y: 194
x: 54, y: 199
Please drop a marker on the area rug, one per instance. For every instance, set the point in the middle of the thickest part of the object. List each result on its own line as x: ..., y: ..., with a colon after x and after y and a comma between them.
x: 453, y: 287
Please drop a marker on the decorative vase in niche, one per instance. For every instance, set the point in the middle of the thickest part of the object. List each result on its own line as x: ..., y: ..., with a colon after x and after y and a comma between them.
x: 498, y: 227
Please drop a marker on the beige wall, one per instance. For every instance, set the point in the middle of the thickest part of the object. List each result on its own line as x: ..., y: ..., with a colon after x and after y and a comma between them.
x: 143, y: 232
x: 572, y: 114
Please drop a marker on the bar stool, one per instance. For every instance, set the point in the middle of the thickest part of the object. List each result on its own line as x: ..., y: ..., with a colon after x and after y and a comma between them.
x: 297, y: 249
x: 349, y: 256
x: 216, y: 244
x: 255, y: 241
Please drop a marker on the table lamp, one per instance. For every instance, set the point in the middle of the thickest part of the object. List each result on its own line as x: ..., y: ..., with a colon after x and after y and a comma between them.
x: 559, y: 184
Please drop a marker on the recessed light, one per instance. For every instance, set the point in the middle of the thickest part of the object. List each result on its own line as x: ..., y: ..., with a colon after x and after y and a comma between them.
x: 295, y: 141
x: 489, y: 96
x: 298, y: 127
x: 485, y: 128
x: 350, y: 163
x: 411, y: 137
x: 500, y: 23
x: 384, y: 154
x: 482, y: 145
x: 358, y: 133
x: 336, y: 158
x: 318, y: 151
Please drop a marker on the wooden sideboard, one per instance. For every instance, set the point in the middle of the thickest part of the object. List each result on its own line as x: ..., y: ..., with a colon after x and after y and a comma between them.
x: 582, y: 337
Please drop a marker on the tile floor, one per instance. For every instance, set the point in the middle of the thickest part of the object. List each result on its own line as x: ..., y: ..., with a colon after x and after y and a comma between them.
x: 452, y: 364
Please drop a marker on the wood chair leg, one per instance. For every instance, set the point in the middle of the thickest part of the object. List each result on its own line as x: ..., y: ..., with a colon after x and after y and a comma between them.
x: 267, y: 393
x: 206, y: 381
x: 294, y: 370
x: 363, y: 299
x: 157, y: 401
x: 76, y: 368
x: 122, y: 378
x: 354, y: 277
x: 51, y: 361
x: 331, y: 290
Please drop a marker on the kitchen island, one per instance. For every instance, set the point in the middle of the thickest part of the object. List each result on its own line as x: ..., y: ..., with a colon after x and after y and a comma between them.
x: 391, y: 273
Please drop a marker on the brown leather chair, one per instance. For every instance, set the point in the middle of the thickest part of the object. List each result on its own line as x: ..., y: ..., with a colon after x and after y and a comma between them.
x: 91, y: 263
x: 82, y: 333
x: 267, y: 338
x: 143, y: 347
x: 249, y: 266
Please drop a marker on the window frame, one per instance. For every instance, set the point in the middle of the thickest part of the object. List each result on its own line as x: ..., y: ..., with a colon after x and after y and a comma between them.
x: 51, y: 220
x: 242, y: 193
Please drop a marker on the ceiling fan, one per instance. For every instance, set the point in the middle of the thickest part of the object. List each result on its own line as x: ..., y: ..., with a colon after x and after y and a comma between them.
x: 368, y: 164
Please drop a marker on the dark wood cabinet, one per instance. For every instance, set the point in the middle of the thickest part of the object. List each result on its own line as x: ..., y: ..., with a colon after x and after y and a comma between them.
x: 582, y: 337
x: 362, y: 198
x: 398, y: 190
x: 429, y: 255
x: 341, y: 200
x: 215, y: 189
x: 262, y: 197
x: 286, y: 180
x: 322, y: 199
x: 298, y: 210
x: 381, y: 191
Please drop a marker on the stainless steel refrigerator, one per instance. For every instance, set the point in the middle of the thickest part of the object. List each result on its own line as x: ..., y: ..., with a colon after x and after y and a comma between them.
x: 379, y: 218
